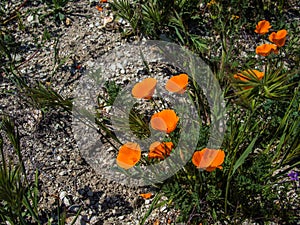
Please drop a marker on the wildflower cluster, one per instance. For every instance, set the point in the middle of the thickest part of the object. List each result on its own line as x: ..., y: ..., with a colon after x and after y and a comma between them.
x: 165, y: 121
x: 259, y: 131
x: 277, y: 39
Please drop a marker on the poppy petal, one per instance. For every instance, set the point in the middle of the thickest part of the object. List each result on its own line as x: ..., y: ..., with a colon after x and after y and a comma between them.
x: 208, y: 157
x: 278, y: 38
x: 248, y: 75
x: 129, y: 154
x: 177, y: 83
x: 197, y: 157
x: 266, y: 49
x: 219, y: 159
x: 160, y: 150
x: 144, y: 89
x: 262, y: 27
x: 146, y: 195
x: 158, y: 123
x: 210, y: 168
x: 99, y: 8
x: 165, y: 121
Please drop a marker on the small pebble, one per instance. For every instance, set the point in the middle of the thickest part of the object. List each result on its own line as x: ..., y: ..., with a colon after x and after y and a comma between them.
x: 63, y: 173
x: 30, y: 18
x: 62, y: 195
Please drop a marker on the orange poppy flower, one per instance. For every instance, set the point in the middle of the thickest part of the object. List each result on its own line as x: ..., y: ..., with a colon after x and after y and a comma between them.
x: 177, y: 83
x: 144, y: 89
x: 99, y: 8
x: 129, y: 154
x: 266, y: 49
x: 160, y: 150
x: 278, y: 38
x: 262, y: 27
x: 246, y: 76
x: 165, y: 121
x: 146, y: 195
x: 208, y: 159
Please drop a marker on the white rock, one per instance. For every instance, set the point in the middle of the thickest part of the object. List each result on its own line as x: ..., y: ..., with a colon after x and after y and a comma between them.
x: 63, y: 173
x: 93, y: 220
x: 121, y: 217
x: 90, y: 64
x: 107, y: 109
x: 112, y: 67
x: 30, y: 18
x: 163, y: 208
x: 66, y: 201
x: 111, y: 149
x: 62, y: 195
x: 119, y: 65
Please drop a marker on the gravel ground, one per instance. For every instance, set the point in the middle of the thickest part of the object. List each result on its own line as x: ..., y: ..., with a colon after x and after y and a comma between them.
x: 48, y: 144
x: 46, y: 136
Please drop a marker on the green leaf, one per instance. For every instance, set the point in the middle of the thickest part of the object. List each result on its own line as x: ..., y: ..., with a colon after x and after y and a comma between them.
x: 76, y: 216
x: 243, y: 157
x: 61, y: 16
x: 153, y: 206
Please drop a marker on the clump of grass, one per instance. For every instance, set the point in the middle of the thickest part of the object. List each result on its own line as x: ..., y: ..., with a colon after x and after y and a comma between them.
x: 260, y: 143
x: 162, y: 20
x: 57, y: 10
x: 19, y: 196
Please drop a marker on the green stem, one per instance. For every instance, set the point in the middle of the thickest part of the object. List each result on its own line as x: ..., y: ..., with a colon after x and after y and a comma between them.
x: 2, y: 155
x: 226, y: 192
x: 238, y: 141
